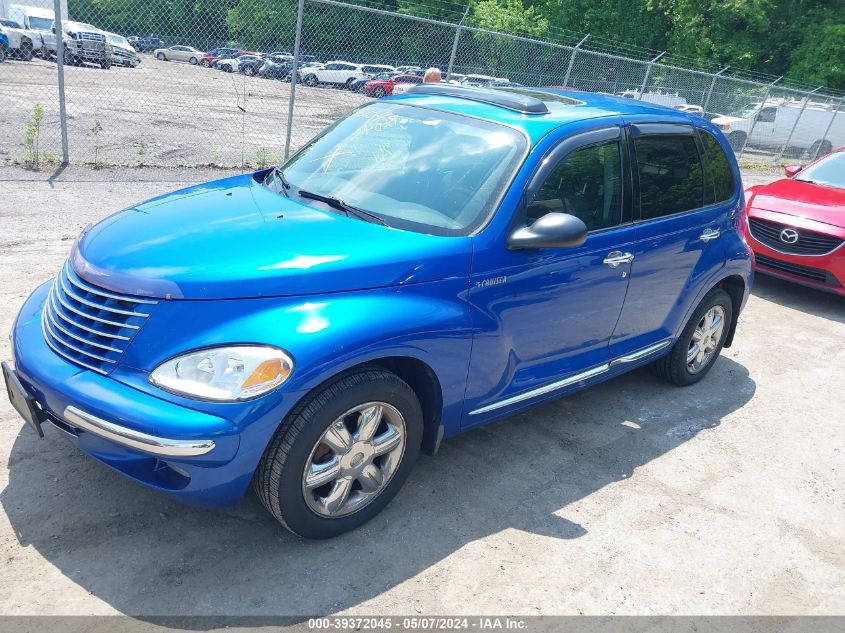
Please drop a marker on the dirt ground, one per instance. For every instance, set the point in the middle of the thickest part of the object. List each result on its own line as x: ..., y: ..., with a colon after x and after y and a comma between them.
x: 633, y: 497
x: 161, y: 113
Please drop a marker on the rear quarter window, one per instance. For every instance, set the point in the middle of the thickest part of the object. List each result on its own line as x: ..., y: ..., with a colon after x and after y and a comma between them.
x: 717, y: 169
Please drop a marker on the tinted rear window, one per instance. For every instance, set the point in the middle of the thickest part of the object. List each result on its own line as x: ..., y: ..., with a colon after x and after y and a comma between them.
x: 720, y: 179
x: 670, y: 174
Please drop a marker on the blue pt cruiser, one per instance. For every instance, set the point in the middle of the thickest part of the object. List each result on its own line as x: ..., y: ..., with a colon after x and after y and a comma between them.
x: 425, y: 265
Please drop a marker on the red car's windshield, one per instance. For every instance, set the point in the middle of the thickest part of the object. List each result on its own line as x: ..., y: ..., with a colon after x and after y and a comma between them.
x: 829, y: 171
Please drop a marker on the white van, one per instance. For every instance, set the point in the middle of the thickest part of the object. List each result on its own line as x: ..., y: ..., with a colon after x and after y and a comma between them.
x: 775, y: 120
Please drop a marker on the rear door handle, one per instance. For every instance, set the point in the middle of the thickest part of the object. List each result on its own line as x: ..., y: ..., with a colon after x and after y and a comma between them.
x: 710, y: 234
x: 615, y: 258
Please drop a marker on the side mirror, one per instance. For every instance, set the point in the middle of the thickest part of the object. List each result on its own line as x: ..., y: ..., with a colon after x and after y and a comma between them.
x: 553, y: 230
x: 54, y: 30
x: 792, y: 170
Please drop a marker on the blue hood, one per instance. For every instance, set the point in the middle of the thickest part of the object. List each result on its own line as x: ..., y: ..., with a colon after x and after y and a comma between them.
x: 234, y: 238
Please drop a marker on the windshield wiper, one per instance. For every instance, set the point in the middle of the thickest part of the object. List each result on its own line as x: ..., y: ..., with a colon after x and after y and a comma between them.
x: 340, y: 205
x: 279, y: 176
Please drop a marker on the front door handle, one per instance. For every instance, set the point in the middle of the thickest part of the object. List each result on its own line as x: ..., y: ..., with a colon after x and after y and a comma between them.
x: 710, y: 234
x: 615, y: 258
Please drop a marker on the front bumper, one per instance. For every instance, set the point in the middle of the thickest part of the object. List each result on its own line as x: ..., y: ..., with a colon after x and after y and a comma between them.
x: 188, y: 454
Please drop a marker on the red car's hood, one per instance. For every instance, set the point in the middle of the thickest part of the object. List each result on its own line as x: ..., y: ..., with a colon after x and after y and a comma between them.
x: 803, y: 199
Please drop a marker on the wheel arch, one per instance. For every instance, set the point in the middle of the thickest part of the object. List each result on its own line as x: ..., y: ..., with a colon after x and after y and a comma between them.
x: 419, y: 375
x: 735, y: 286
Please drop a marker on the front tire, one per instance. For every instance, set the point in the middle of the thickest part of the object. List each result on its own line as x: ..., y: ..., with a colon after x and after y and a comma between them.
x: 699, y: 345
x: 311, y: 80
x: 26, y: 51
x: 193, y: 61
x: 342, y: 454
x: 162, y: 57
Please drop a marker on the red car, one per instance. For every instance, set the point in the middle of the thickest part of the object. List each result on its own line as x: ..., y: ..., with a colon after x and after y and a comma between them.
x: 796, y: 225
x: 383, y: 88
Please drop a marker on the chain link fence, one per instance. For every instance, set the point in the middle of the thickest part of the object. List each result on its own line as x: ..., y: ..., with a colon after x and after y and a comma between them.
x: 241, y: 83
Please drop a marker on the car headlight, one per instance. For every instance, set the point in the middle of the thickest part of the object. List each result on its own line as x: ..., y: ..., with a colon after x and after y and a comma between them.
x: 224, y: 374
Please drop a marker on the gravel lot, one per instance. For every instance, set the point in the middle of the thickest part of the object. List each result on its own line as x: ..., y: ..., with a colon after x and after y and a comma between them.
x: 161, y: 113
x: 634, y: 497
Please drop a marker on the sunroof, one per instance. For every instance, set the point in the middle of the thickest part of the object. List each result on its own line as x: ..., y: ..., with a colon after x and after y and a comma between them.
x: 545, y: 97
x: 511, y: 99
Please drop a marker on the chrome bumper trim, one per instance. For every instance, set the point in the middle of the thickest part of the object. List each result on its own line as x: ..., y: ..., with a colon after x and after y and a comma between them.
x: 152, y: 444
x: 641, y: 353
x: 571, y: 380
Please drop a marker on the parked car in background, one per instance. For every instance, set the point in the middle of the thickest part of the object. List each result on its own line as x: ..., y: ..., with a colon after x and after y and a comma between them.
x: 275, y: 67
x: 22, y: 42
x: 478, y: 81
x: 179, y: 53
x: 82, y: 43
x: 813, y: 129
x: 359, y: 84
x: 487, y: 238
x: 250, y: 64
x: 406, y: 69
x: 337, y: 73
x: 207, y: 60
x: 796, y: 225
x: 147, y: 44
x: 384, y: 87
x: 233, y: 64
x: 122, y: 51
x: 5, y: 49
x: 303, y: 68
x: 37, y: 20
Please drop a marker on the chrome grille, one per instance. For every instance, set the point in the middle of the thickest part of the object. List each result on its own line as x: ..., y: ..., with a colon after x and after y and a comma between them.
x: 809, y: 242
x: 89, y: 326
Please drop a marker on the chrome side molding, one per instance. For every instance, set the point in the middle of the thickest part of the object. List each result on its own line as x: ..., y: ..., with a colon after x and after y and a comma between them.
x: 576, y: 378
x: 160, y: 446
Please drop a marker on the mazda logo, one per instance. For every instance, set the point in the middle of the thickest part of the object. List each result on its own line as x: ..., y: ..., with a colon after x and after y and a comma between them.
x: 789, y: 236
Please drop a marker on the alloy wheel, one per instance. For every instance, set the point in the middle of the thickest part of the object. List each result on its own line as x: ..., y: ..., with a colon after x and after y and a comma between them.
x: 354, y: 459
x: 705, y: 340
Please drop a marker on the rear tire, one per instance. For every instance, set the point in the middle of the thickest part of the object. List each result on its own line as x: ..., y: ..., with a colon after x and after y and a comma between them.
x: 359, y: 486
x: 193, y: 61
x: 379, y: 92
x: 205, y: 63
x: 249, y: 71
x: 818, y: 149
x: 699, y: 341
x: 311, y: 80
x: 162, y: 57
x: 26, y: 51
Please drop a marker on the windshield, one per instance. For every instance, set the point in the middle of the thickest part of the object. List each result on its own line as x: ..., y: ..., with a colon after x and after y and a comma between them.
x: 829, y: 171
x: 117, y: 39
x: 40, y: 24
x: 418, y: 169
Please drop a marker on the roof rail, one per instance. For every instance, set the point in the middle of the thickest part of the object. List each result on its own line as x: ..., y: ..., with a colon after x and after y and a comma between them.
x: 509, y: 100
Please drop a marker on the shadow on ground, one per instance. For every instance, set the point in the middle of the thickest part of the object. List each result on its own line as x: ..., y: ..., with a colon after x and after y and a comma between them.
x: 145, y: 555
x: 808, y: 300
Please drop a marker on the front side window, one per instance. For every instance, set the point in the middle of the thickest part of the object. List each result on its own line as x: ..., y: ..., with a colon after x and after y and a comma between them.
x: 767, y: 115
x: 587, y: 183
x: 40, y: 24
x: 419, y: 169
x: 720, y: 179
x: 670, y: 174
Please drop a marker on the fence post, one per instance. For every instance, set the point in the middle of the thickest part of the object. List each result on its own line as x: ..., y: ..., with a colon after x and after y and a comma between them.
x: 710, y: 90
x: 797, y: 119
x: 648, y: 74
x: 458, y: 30
x: 60, y: 71
x: 572, y: 60
x: 827, y: 129
x: 756, y: 116
x: 300, y: 10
